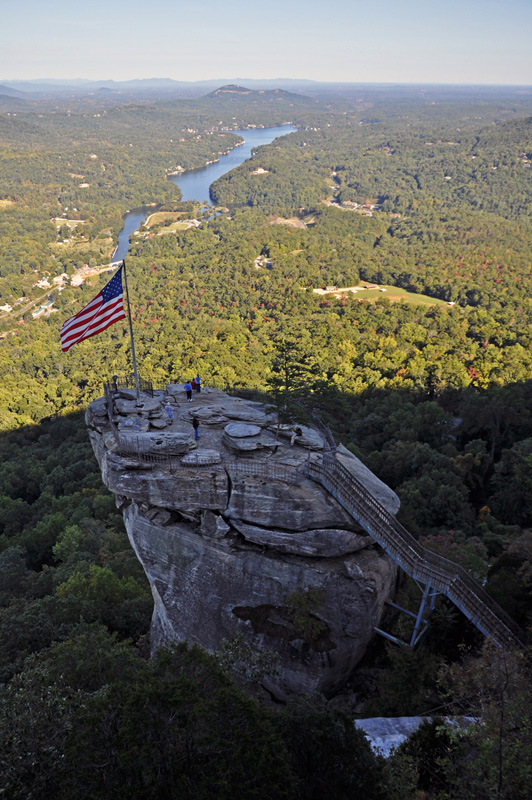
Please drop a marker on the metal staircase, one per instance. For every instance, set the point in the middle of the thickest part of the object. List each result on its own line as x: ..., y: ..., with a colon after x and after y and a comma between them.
x: 436, y: 574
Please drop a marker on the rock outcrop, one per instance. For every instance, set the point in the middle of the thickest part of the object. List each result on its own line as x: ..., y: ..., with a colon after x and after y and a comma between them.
x: 236, y: 540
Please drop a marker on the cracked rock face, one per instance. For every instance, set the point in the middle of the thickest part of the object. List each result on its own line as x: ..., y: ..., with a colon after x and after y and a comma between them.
x: 247, y: 545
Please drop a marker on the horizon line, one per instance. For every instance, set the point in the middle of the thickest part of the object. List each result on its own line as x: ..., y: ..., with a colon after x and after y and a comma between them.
x: 74, y: 81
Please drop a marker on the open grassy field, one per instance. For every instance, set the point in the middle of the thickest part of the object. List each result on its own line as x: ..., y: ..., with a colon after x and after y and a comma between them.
x: 165, y: 217
x: 392, y: 293
x: 168, y: 222
x: 104, y: 245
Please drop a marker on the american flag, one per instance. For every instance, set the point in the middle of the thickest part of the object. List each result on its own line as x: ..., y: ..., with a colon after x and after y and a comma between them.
x: 105, y: 309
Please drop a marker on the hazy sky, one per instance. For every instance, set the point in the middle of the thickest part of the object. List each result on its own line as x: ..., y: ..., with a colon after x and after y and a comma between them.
x: 403, y: 41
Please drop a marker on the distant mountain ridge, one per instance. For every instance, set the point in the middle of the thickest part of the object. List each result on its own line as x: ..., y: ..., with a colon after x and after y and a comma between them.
x: 232, y: 88
x: 163, y: 85
x: 232, y: 91
x: 7, y: 91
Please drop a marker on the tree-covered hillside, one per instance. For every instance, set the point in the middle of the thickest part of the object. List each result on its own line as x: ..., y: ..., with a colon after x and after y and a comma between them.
x: 430, y: 197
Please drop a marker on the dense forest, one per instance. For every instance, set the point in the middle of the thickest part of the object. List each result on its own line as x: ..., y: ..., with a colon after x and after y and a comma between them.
x: 430, y: 195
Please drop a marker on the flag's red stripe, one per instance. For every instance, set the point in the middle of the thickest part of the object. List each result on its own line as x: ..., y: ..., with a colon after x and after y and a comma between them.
x: 97, y: 326
x: 96, y: 322
x: 91, y: 332
x: 79, y: 323
x: 67, y: 347
x: 76, y: 330
x: 99, y: 323
x: 96, y: 316
x: 86, y: 312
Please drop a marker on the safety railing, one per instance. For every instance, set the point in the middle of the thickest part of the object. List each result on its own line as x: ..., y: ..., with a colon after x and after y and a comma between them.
x: 174, y: 463
x: 262, y: 469
x: 128, y: 382
x: 422, y: 565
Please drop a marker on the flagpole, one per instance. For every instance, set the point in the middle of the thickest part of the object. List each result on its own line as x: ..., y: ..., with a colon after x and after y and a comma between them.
x: 137, y: 388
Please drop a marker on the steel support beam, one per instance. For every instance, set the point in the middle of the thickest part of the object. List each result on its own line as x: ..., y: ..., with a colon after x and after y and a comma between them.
x: 421, y: 624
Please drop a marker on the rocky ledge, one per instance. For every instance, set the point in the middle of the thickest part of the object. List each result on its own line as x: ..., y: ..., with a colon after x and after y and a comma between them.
x: 235, y: 540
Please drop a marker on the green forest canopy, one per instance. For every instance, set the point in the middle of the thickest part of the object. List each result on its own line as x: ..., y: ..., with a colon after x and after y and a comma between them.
x: 436, y: 400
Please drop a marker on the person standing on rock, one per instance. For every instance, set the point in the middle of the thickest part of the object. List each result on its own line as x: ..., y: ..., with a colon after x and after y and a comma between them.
x: 188, y: 390
x: 198, y: 384
x: 193, y: 384
x: 170, y: 411
x: 195, y: 425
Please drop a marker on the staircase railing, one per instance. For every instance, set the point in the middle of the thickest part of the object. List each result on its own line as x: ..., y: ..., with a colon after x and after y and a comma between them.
x: 443, y: 575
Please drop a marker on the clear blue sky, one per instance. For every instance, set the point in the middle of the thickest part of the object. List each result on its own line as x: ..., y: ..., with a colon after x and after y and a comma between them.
x: 413, y: 41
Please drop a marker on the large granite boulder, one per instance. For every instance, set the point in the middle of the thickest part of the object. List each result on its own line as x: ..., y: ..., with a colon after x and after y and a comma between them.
x: 239, y: 542
x: 280, y: 505
x: 167, y: 443
x: 207, y: 589
x: 149, y: 407
x: 322, y: 542
x: 374, y: 485
x: 300, y: 435
x: 189, y: 489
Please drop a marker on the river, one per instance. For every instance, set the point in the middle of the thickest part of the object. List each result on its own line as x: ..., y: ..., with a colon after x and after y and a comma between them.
x: 195, y: 183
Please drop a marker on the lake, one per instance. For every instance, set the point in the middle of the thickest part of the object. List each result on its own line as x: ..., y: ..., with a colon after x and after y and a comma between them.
x: 195, y: 183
